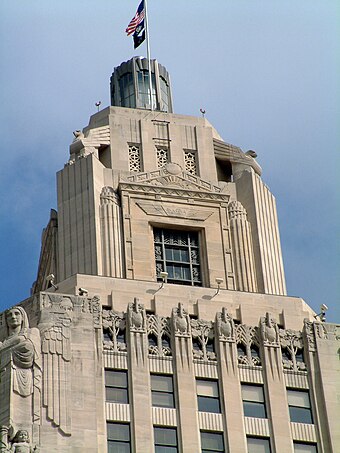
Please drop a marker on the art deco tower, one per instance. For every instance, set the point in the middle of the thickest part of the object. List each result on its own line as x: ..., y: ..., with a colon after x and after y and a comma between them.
x: 159, y: 320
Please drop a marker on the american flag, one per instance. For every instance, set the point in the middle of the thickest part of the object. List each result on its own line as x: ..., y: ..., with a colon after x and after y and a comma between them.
x: 136, y: 20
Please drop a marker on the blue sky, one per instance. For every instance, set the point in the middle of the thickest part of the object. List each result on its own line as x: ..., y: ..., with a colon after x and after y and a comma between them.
x: 265, y: 71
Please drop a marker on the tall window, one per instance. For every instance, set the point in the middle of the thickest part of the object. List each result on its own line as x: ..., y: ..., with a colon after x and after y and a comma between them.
x: 253, y: 401
x: 177, y: 253
x: 144, y: 89
x: 165, y: 440
x: 127, y: 90
x: 300, y: 447
x: 258, y: 445
x: 208, y: 396
x: 116, y: 386
x: 299, y: 406
x: 164, y: 94
x: 162, y: 390
x: 212, y: 442
x: 118, y: 438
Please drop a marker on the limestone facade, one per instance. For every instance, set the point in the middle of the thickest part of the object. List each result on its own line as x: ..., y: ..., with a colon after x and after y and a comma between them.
x: 159, y: 320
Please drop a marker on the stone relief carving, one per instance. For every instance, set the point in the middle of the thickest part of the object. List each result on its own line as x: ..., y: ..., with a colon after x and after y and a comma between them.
x: 247, y: 339
x: 225, y: 326
x: 56, y: 353
x: 181, y: 321
x: 292, y: 350
x: 20, y: 371
x: 137, y: 316
x: 308, y: 328
x: 159, y: 335
x: 327, y: 331
x: 114, y: 329
x: 19, y: 443
x: 269, y: 330
x: 21, y: 348
x: 203, y: 339
x: 162, y: 209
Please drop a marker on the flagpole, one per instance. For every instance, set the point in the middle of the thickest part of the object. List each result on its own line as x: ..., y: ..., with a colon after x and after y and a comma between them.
x: 148, y: 51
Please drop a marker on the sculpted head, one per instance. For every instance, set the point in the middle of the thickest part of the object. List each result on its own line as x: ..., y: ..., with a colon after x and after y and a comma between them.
x: 16, y: 319
x: 22, y: 436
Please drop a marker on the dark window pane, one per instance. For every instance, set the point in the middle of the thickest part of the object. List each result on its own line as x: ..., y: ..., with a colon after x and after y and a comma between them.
x: 162, y: 399
x: 116, y: 395
x: 212, y: 442
x: 206, y: 404
x: 163, y: 449
x: 161, y: 383
x: 118, y: 447
x: 300, y: 415
x: 116, y: 378
x: 258, y: 445
x: 254, y: 409
x: 118, y: 431
x: 300, y: 447
x: 165, y: 436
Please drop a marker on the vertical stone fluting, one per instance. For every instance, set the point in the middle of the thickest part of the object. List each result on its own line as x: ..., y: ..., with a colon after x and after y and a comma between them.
x: 139, y: 377
x: 188, y: 430
x: 242, y: 248
x: 111, y: 233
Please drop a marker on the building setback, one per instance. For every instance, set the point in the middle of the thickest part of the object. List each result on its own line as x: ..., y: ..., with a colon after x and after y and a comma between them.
x: 159, y: 320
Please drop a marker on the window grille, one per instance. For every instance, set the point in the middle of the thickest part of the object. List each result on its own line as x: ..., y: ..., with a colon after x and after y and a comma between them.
x: 134, y: 158
x: 162, y: 157
x: 190, y: 161
x: 177, y: 253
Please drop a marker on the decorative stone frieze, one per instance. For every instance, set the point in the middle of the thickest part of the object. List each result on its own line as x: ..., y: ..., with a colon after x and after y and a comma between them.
x: 327, y: 331
x: 247, y: 339
x: 114, y: 329
x: 159, y: 335
x: 292, y: 350
x: 203, y: 339
x: 309, y: 334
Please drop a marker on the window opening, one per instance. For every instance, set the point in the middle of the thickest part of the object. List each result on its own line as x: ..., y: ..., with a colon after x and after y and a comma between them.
x: 253, y: 401
x: 177, y: 253
x: 116, y: 386
x: 208, y: 396
x: 162, y: 390
x: 118, y: 438
x: 212, y: 442
x: 165, y: 440
x: 299, y: 406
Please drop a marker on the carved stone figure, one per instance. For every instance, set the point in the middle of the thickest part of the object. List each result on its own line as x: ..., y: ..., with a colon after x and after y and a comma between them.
x: 269, y: 330
x: 137, y: 316
x: 22, y: 349
x: 181, y: 320
x: 203, y: 339
x: 225, y: 325
x: 19, y: 443
x: 114, y: 327
x: 292, y: 350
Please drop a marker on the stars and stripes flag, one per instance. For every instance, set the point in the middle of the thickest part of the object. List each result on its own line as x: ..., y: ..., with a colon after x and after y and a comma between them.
x: 137, y: 19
